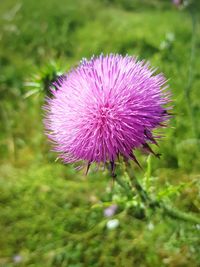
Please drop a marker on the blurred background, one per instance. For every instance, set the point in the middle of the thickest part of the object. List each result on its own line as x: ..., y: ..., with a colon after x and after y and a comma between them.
x: 51, y: 214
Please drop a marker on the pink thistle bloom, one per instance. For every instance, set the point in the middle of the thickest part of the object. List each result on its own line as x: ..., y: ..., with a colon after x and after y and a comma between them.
x: 177, y: 2
x: 104, y: 108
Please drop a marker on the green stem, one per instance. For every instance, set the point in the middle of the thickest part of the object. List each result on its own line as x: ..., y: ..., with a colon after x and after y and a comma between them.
x: 125, y: 185
x: 177, y: 214
x: 154, y: 204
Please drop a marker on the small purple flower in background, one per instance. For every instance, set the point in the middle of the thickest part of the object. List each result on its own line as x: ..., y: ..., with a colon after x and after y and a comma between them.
x: 181, y: 3
x: 110, y: 211
x: 177, y: 2
x: 17, y: 258
x: 105, y: 108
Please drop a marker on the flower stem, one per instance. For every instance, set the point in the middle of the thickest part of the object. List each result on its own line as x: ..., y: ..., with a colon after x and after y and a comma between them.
x: 154, y: 204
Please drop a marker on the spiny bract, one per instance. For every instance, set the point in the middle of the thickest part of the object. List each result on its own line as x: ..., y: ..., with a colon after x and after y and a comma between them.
x: 106, y: 107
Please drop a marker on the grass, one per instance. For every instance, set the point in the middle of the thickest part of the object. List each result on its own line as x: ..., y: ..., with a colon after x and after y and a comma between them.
x: 52, y: 215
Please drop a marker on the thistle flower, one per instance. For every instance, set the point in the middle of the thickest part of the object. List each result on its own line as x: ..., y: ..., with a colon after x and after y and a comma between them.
x: 177, y: 2
x: 105, y: 108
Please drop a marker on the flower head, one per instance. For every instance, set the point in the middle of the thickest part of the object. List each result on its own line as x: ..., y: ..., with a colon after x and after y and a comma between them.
x: 177, y: 2
x: 106, y: 107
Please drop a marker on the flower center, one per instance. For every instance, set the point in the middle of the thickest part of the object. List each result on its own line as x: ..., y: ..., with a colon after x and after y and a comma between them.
x: 104, y: 115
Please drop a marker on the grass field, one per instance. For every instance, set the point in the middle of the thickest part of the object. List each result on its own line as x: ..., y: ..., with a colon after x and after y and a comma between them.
x: 51, y: 214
